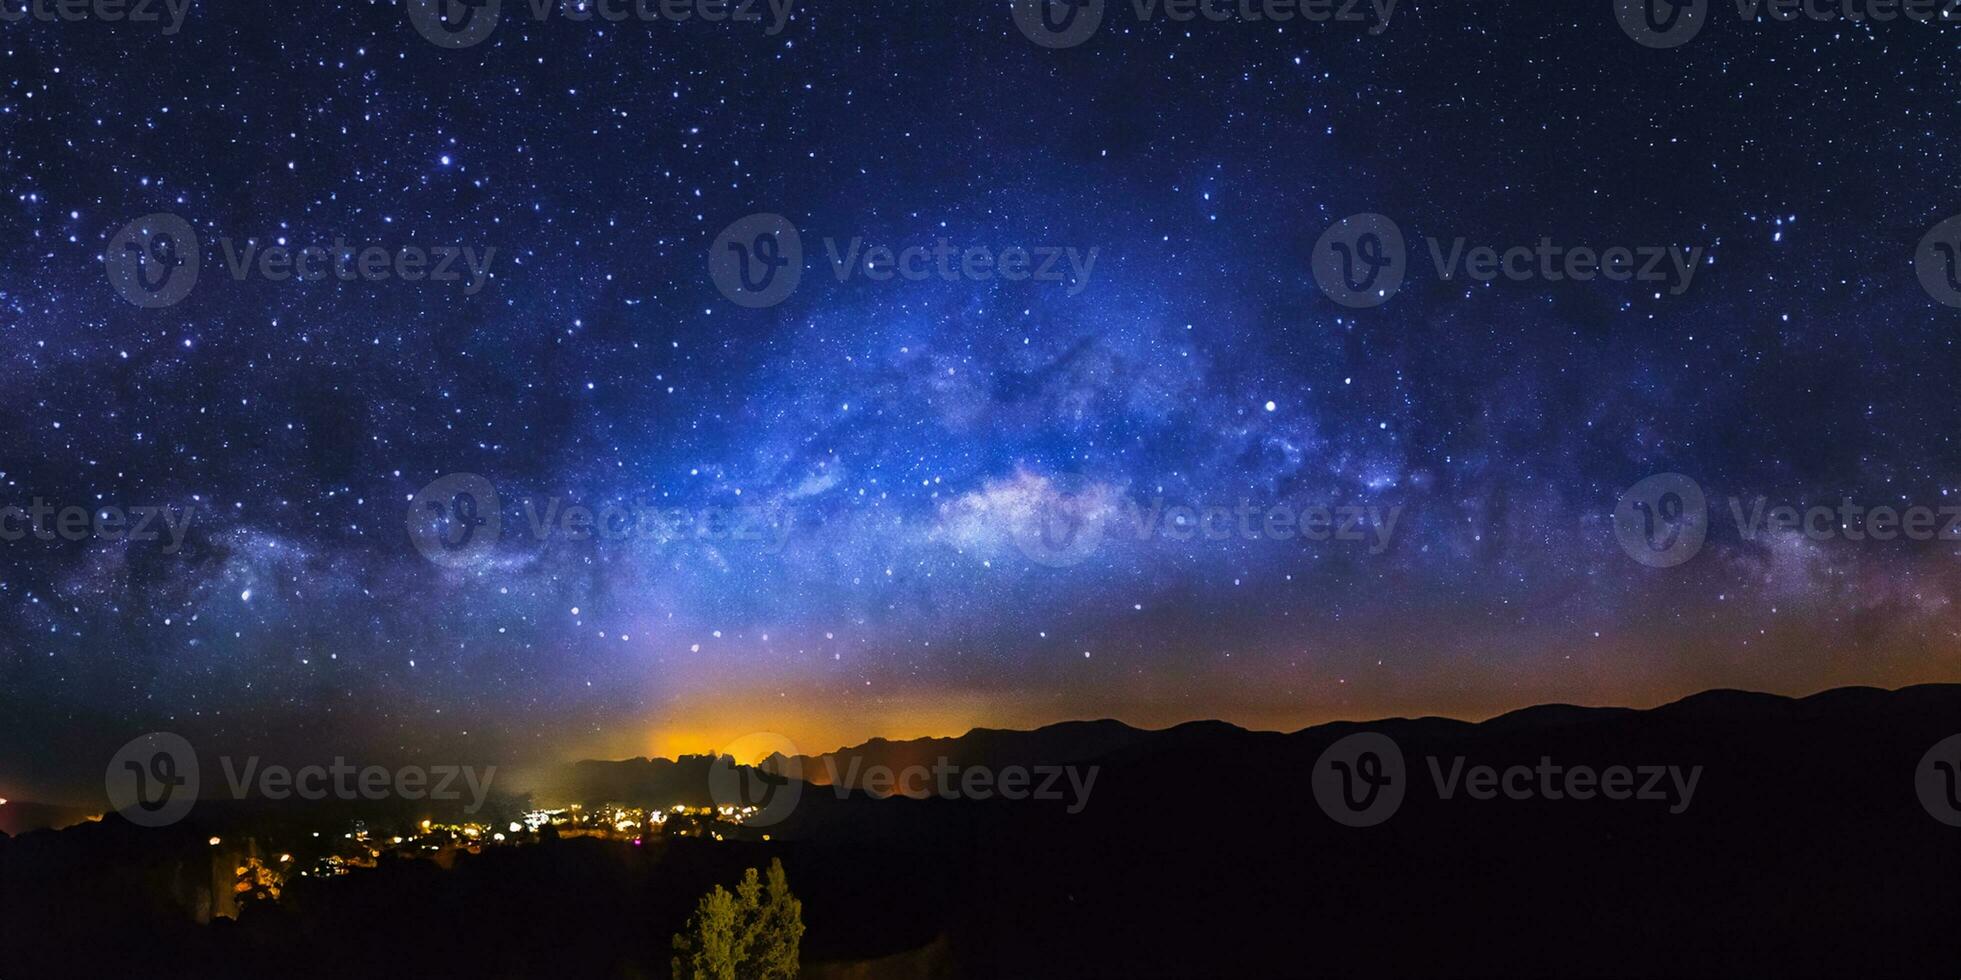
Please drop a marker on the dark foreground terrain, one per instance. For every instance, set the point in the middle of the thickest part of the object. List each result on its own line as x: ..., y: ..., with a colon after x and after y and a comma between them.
x: 1804, y: 850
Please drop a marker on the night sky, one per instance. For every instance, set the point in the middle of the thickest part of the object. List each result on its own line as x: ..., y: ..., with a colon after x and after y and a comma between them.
x: 902, y: 431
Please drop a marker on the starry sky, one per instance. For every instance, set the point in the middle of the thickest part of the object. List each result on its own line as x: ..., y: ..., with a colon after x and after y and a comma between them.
x: 898, y: 431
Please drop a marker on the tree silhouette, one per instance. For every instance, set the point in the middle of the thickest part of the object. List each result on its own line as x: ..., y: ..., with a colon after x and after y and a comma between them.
x: 753, y: 934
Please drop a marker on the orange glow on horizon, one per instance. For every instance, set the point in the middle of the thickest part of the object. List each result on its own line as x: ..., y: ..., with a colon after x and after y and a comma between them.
x: 1624, y: 672
x: 706, y: 727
